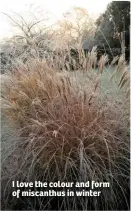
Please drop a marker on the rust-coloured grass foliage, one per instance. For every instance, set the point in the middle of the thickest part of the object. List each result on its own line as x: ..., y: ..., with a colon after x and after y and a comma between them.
x: 68, y: 133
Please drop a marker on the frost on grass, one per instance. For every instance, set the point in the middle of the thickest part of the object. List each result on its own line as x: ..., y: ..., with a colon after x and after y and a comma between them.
x: 69, y: 129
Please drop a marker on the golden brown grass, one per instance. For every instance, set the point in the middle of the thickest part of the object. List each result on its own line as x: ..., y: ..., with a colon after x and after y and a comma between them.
x: 68, y: 133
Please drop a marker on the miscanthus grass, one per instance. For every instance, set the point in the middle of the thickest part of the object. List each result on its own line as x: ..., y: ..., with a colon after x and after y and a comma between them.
x: 68, y: 129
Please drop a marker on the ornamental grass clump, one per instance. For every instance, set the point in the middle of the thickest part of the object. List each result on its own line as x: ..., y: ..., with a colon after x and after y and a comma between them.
x: 66, y: 133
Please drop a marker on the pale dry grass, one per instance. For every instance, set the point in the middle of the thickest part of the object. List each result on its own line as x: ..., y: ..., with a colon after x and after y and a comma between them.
x: 66, y: 127
x: 68, y: 133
